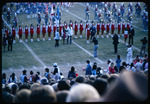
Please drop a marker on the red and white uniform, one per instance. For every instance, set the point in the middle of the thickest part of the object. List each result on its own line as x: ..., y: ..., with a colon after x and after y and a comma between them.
x: 13, y: 32
x: 103, y: 28
x: 60, y: 29
x: 126, y: 34
x: 88, y: 33
x: 65, y: 25
x: 26, y: 32
x: 76, y: 27
x: 87, y: 24
x: 6, y: 32
x: 20, y: 33
x: 123, y: 28
x: 112, y: 28
x: 71, y: 24
x: 31, y: 30
x: 43, y: 29
x: 107, y: 27
x: 81, y: 27
x: 128, y: 26
x: 98, y: 28
x: 119, y: 28
x: 49, y: 29
x: 54, y: 29
x: 38, y: 30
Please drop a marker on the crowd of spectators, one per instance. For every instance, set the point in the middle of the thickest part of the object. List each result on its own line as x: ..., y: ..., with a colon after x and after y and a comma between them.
x: 115, y: 84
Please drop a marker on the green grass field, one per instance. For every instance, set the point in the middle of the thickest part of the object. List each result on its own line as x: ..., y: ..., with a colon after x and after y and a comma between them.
x: 65, y: 55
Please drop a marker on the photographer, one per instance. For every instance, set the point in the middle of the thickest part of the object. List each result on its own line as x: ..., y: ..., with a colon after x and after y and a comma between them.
x: 144, y: 42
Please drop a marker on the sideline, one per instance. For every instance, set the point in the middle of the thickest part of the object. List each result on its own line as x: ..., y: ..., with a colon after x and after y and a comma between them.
x: 29, y: 49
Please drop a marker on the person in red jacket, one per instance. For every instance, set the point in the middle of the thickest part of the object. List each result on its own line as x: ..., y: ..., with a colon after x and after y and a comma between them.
x: 107, y: 29
x: 54, y: 29
x: 98, y: 28
x: 60, y: 29
x: 20, y: 33
x: 128, y: 25
x: 111, y: 68
x: 119, y: 28
x: 86, y: 26
x: 88, y: 34
x: 76, y: 29
x: 6, y: 31
x: 81, y: 28
x: 38, y: 32
x: 49, y: 31
x: 43, y: 31
x: 71, y: 23
x: 13, y: 33
x: 112, y: 29
x: 31, y: 32
x: 65, y: 24
x: 103, y: 28
x: 123, y: 28
x: 26, y: 33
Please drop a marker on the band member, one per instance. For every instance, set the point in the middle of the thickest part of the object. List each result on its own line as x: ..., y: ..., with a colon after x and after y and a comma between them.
x: 86, y: 26
x: 119, y: 28
x: 81, y: 28
x: 71, y: 23
x: 107, y: 29
x: 15, y: 20
x: 88, y: 34
x: 54, y: 29
x: 87, y: 11
x: 31, y: 32
x: 20, y: 33
x: 6, y: 31
x: 125, y: 35
x: 49, y: 31
x: 26, y: 33
x: 39, y: 19
x: 46, y: 18
x: 98, y: 28
x: 13, y: 33
x: 60, y: 29
x: 95, y: 12
x: 76, y: 29
x: 43, y: 31
x: 38, y: 32
x: 65, y: 24
x: 112, y: 28
x: 102, y: 29
x: 123, y: 28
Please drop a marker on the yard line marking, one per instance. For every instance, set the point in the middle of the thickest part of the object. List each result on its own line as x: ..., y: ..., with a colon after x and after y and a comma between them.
x: 105, y: 32
x: 29, y: 49
x: 87, y: 51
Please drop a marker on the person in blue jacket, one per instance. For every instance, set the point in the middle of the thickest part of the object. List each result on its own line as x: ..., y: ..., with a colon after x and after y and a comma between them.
x: 88, y: 68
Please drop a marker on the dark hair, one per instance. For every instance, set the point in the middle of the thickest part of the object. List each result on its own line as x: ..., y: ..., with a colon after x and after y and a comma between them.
x: 115, y: 68
x: 124, y: 64
x: 13, y: 76
x: 94, y: 67
x: 4, y: 76
x: 47, y: 69
x: 131, y: 65
x: 72, y: 69
x: 31, y: 72
x: 24, y: 72
x: 62, y: 95
x: 118, y: 56
x: 88, y: 61
x: 80, y: 79
x: 38, y: 73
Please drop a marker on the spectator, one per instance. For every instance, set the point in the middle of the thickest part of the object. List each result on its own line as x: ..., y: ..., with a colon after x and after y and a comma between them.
x: 62, y: 95
x: 44, y: 81
x: 76, y: 73
x: 7, y: 97
x: 22, y: 96
x: 63, y: 85
x: 111, y: 68
x: 143, y: 64
x: 61, y: 76
x: 129, y: 54
x: 132, y: 68
x: 94, y: 68
x: 118, y: 61
x: 80, y: 79
x: 47, y: 74
x: 95, y: 41
x: 34, y: 85
x: 88, y: 68
x: 101, y: 86
x: 144, y: 42
x: 116, y: 69
x: 99, y: 71
x: 37, y: 77
x: 4, y: 41
x: 32, y: 76
x: 115, y: 42
x: 24, y: 86
x: 56, y: 72
x: 12, y: 78
x: 71, y: 73
x: 14, y: 89
x: 42, y: 94
x: 57, y: 37
x: 82, y: 93
x: 138, y: 66
x: 108, y: 63
x: 113, y: 78
x: 23, y: 77
x: 4, y: 80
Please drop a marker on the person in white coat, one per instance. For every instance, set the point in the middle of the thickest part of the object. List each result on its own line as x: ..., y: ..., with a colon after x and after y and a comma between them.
x: 129, y: 54
x: 69, y: 34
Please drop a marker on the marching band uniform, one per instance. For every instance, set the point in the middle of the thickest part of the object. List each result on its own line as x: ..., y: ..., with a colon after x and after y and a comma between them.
x: 112, y: 29
x: 76, y: 29
x: 87, y: 12
x: 60, y: 30
x: 65, y: 25
x: 81, y: 29
x: 39, y: 19
x: 88, y: 34
x: 20, y: 33
x: 98, y: 29
x: 125, y: 35
x: 13, y: 34
x: 107, y: 29
x: 71, y: 23
x: 128, y: 26
x: 26, y: 33
x: 102, y: 29
x: 123, y: 28
x: 38, y: 32
x: 95, y: 12
x: 49, y: 31
x: 31, y: 32
x: 43, y: 31
x: 86, y: 26
x: 54, y: 29
x: 119, y: 28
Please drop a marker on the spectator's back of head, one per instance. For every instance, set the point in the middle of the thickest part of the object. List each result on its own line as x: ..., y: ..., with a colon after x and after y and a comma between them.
x: 63, y: 85
x: 33, y: 86
x: 42, y: 94
x: 62, y: 95
x: 24, y: 86
x: 82, y: 93
x: 7, y: 97
x: 22, y: 96
x: 80, y: 79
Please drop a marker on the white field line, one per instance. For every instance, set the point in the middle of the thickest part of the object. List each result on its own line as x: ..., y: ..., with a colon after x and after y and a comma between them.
x: 87, y: 51
x: 105, y: 31
x: 36, y: 57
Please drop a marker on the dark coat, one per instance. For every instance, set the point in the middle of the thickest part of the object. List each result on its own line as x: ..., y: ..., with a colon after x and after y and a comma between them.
x: 10, y: 39
x: 115, y: 39
x: 131, y: 32
x: 4, y: 40
x: 93, y: 30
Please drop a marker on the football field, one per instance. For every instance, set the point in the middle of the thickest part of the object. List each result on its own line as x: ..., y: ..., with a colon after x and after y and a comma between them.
x: 38, y: 55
